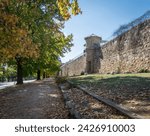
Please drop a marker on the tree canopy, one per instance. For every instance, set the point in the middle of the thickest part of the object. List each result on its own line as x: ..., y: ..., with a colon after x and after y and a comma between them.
x: 68, y: 8
x: 31, y: 33
x: 126, y: 27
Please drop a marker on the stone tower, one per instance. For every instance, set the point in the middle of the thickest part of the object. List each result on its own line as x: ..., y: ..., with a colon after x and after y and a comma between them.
x: 93, y: 53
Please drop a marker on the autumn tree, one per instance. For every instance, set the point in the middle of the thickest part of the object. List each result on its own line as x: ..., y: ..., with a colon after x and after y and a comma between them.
x: 31, y: 30
x: 68, y: 8
x: 16, y: 43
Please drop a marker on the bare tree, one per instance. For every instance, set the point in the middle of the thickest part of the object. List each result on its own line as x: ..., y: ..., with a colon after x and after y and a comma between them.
x: 126, y: 27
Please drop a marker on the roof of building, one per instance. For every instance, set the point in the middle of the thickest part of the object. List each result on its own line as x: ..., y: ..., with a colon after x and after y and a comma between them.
x: 92, y: 35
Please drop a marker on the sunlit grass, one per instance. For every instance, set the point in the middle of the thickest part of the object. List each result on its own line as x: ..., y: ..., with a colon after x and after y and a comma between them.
x: 108, y: 80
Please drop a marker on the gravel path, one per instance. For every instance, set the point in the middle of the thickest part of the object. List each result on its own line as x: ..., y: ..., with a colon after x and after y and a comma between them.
x: 37, y: 100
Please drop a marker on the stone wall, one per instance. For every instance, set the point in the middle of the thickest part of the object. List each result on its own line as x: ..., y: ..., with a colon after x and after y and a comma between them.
x: 74, y: 67
x: 129, y: 52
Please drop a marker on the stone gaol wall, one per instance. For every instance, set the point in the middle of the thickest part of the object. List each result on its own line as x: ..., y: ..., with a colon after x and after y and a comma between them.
x: 74, y: 67
x: 129, y: 52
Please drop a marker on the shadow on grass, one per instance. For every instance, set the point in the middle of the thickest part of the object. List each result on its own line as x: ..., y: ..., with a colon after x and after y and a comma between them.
x: 130, y: 90
x: 113, y: 82
x: 119, y: 87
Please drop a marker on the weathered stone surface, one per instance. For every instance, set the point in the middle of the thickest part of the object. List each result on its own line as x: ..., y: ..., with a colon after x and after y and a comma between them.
x: 75, y: 67
x: 93, y: 54
x: 129, y: 52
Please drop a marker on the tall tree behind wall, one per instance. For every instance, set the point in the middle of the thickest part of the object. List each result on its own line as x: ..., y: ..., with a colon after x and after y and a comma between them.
x: 126, y: 27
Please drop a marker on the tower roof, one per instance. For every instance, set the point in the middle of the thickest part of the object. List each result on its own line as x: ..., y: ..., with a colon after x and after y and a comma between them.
x: 92, y: 35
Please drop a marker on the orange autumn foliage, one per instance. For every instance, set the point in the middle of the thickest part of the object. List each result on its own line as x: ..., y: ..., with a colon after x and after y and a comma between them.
x: 14, y: 40
x: 68, y: 8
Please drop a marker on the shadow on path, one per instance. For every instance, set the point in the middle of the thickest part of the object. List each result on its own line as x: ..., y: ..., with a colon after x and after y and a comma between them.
x: 37, y: 100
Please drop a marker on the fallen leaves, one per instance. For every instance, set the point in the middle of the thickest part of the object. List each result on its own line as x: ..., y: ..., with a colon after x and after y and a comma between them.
x: 87, y: 107
x: 33, y: 100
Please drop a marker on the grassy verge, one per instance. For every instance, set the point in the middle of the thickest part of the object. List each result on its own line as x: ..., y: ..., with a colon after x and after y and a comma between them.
x: 113, y: 81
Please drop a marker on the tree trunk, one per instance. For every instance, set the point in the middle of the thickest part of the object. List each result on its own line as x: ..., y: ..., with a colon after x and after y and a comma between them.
x: 19, y: 71
x: 38, y: 74
x: 44, y: 75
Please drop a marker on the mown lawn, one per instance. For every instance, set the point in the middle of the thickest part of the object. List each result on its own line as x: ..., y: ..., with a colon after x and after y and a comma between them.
x: 138, y: 80
x: 129, y: 90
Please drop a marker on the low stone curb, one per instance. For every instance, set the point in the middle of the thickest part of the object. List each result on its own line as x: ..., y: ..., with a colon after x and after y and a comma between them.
x: 118, y: 107
x: 69, y: 103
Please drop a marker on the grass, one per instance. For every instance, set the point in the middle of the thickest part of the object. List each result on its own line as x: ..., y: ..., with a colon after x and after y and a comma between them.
x: 130, y: 90
x: 114, y: 81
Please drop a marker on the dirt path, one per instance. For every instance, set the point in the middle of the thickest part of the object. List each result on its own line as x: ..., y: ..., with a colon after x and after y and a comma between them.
x: 40, y: 99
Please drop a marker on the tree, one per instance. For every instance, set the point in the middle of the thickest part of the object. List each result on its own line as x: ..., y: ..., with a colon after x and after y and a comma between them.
x: 126, y: 27
x: 16, y: 43
x: 68, y: 8
x: 30, y: 31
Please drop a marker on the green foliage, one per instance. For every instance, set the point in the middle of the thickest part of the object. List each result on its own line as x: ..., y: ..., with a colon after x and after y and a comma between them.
x: 7, y: 72
x: 1, y: 73
x: 10, y: 71
x: 68, y: 8
x: 32, y: 32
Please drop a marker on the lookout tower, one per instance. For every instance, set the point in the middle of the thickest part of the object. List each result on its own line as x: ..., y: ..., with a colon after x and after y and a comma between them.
x: 93, y: 53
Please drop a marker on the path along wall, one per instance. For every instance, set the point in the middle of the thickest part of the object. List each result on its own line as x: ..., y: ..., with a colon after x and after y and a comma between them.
x: 74, y: 67
x: 129, y: 52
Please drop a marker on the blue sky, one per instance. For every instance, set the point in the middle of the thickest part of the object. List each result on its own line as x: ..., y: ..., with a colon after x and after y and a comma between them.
x: 102, y: 18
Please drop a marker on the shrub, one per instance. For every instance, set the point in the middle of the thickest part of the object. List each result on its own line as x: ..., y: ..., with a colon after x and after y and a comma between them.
x: 82, y: 73
x: 60, y: 80
x: 144, y: 71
